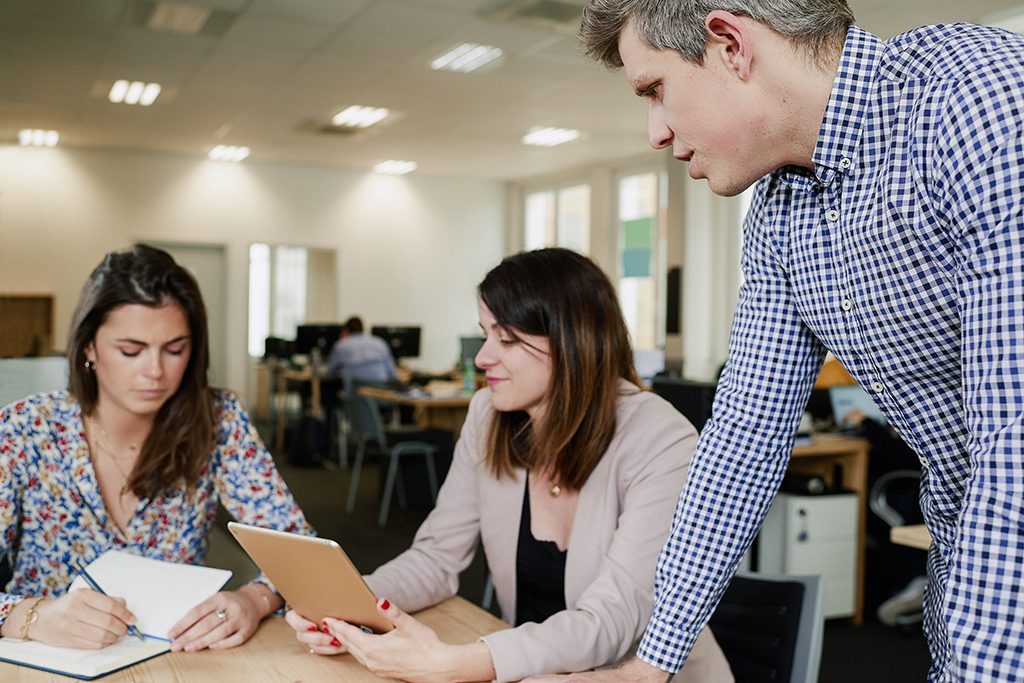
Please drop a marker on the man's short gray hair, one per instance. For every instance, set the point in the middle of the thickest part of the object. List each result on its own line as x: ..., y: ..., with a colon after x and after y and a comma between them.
x: 817, y: 26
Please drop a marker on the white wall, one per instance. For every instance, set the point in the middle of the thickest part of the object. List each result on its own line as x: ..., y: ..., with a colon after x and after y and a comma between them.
x: 703, y: 238
x: 410, y: 250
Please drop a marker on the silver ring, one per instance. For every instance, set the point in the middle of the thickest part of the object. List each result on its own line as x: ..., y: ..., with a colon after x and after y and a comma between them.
x: 222, y: 614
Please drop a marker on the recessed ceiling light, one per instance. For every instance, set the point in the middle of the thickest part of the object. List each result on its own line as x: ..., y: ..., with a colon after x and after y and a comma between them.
x: 134, y: 92
x: 549, y: 137
x: 358, y: 116
x: 395, y: 167
x: 38, y: 138
x: 228, y: 153
x: 465, y: 57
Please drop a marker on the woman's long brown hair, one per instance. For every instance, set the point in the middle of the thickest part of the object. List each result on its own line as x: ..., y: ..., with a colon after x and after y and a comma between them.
x: 182, y: 437
x: 561, y: 295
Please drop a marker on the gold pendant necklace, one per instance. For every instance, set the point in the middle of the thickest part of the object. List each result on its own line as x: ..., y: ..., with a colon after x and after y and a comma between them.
x: 100, y: 445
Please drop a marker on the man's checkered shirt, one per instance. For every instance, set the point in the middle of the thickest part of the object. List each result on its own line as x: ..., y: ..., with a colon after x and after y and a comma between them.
x: 902, y: 252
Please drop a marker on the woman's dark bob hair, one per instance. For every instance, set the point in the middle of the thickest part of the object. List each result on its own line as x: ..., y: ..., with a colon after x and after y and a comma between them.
x: 182, y: 437
x: 559, y: 294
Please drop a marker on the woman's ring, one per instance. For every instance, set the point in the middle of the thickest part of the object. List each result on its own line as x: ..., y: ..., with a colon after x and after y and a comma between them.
x: 222, y: 614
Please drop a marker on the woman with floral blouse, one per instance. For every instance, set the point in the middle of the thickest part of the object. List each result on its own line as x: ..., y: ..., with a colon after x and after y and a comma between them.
x: 135, y: 455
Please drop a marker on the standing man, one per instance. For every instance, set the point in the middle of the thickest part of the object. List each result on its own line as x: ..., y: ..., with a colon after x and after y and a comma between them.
x: 359, y: 357
x: 886, y: 227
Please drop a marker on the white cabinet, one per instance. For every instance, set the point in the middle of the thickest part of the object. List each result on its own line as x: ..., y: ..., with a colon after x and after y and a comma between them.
x: 814, y: 535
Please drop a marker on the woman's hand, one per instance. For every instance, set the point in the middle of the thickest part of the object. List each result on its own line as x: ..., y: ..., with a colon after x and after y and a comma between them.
x: 224, y: 620
x: 412, y: 651
x: 81, y: 619
x: 314, y: 638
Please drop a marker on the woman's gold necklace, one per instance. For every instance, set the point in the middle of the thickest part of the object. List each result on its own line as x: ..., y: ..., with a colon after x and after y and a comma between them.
x: 99, y: 434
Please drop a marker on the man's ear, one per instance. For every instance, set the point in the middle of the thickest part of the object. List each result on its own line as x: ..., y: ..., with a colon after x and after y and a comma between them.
x: 730, y: 40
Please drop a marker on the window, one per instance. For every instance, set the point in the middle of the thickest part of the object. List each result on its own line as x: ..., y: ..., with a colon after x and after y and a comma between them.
x: 558, y: 218
x: 278, y: 277
x: 641, y: 258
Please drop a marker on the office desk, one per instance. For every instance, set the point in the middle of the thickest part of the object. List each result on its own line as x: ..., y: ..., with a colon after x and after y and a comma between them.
x: 273, y: 654
x: 912, y: 536
x: 446, y: 413
x: 824, y: 457
x: 283, y: 375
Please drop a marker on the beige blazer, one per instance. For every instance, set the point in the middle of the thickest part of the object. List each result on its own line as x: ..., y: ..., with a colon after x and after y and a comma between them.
x: 622, y: 520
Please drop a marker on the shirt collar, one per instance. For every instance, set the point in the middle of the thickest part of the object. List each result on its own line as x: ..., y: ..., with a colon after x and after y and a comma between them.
x: 851, y: 99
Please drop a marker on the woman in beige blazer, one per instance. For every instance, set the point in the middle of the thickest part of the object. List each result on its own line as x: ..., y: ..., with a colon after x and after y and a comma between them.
x: 567, y: 473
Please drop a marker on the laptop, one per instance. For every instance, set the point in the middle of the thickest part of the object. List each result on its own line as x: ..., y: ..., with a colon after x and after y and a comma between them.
x: 845, y: 399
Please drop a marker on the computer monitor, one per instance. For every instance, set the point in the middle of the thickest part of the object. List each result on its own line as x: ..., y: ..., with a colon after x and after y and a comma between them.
x: 404, y: 341
x: 692, y: 399
x: 849, y: 398
x: 648, y: 362
x: 468, y: 348
x: 316, y: 336
x: 276, y: 347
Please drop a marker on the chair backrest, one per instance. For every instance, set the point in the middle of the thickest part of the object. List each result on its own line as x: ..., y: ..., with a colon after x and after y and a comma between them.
x: 364, y: 419
x: 771, y: 628
x: 889, y: 491
x: 692, y: 399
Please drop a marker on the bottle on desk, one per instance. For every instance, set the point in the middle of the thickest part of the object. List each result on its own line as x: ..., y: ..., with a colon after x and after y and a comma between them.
x: 468, y: 376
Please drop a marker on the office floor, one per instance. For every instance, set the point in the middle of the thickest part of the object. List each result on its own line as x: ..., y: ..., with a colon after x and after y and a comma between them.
x: 870, y: 652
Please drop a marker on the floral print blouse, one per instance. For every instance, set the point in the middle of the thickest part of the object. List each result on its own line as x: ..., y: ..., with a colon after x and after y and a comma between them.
x: 52, y: 514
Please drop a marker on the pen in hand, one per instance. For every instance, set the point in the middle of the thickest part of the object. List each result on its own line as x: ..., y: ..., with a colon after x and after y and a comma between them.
x: 96, y: 587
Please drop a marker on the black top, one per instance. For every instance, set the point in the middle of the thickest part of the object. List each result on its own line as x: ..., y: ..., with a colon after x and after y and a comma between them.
x: 540, y: 573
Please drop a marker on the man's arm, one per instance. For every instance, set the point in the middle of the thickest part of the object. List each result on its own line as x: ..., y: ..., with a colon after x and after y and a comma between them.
x: 742, y: 454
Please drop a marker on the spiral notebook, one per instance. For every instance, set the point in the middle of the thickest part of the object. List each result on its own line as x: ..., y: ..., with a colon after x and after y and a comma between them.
x: 158, y: 594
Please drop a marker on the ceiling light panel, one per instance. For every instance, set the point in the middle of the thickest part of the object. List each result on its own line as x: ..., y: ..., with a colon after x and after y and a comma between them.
x: 359, y: 116
x: 395, y: 167
x: 465, y: 58
x: 133, y: 92
x: 35, y: 137
x: 549, y: 137
x: 178, y: 18
x: 229, y: 153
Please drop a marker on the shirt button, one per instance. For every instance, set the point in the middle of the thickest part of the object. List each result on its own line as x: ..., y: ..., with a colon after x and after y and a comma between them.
x: 924, y: 463
x: 877, y: 387
x: 847, y: 304
x: 845, y: 162
x: 832, y: 215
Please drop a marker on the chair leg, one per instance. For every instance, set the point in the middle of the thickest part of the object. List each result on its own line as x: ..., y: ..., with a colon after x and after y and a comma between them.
x: 400, y: 490
x: 488, y: 598
x: 389, y: 484
x: 342, y: 433
x: 357, y: 469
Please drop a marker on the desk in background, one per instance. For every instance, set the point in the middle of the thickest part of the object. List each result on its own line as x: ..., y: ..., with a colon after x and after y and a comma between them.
x: 912, y: 536
x: 273, y: 654
x: 445, y: 412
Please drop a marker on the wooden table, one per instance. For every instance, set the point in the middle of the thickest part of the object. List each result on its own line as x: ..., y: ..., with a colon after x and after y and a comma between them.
x: 911, y: 535
x: 430, y: 412
x: 273, y: 654
x: 849, y: 455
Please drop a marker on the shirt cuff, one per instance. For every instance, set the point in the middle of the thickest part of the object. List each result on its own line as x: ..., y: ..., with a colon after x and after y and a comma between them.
x: 666, y: 646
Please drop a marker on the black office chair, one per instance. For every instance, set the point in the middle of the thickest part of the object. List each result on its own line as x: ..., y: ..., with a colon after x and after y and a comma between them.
x: 894, y: 500
x: 771, y: 628
x: 692, y: 399
x: 367, y: 427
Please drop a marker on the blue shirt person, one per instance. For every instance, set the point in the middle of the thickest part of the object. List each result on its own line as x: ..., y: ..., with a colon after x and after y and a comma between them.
x: 358, y: 357
x: 887, y: 227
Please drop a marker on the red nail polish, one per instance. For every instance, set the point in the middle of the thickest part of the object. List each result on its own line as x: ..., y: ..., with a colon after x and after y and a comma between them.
x: 313, y: 628
x: 335, y: 643
x: 323, y: 628
x: 385, y: 605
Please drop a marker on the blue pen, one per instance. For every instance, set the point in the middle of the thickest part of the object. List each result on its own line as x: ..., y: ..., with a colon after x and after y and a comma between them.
x: 96, y: 587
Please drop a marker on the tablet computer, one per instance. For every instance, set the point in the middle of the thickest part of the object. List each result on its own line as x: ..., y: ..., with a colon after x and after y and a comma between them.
x: 314, y: 575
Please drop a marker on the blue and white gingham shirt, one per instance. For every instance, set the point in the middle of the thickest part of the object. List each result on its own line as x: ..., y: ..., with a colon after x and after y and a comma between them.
x: 902, y: 252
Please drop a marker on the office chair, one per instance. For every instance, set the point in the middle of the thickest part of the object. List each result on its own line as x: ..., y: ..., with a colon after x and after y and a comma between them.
x: 367, y: 427
x: 692, y: 399
x: 891, y: 489
x: 770, y: 628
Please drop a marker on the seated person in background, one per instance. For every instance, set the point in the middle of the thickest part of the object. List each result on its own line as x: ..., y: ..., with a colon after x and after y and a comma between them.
x: 134, y: 456
x: 567, y: 473
x: 359, y: 357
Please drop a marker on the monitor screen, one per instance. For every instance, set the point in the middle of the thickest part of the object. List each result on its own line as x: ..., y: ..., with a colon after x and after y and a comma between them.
x: 321, y: 336
x: 403, y: 341
x: 468, y: 348
x: 692, y: 399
